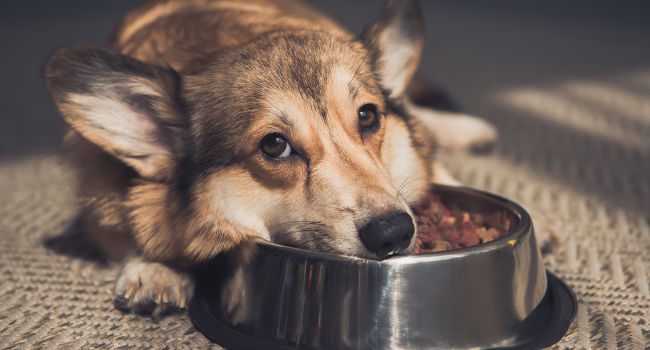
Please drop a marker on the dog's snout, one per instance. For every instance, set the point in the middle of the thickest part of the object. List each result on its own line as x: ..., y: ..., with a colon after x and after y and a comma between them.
x: 387, y: 234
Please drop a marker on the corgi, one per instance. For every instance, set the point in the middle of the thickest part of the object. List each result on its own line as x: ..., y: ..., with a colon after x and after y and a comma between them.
x: 207, y: 124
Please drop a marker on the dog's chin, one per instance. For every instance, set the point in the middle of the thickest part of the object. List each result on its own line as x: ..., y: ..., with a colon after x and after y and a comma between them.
x: 397, y: 252
x: 357, y: 250
x: 346, y: 249
x: 367, y: 254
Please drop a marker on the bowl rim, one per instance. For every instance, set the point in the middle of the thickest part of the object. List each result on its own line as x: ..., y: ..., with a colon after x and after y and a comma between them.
x: 510, y: 240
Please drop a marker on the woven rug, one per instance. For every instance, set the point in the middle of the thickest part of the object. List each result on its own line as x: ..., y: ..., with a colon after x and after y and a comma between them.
x: 574, y: 149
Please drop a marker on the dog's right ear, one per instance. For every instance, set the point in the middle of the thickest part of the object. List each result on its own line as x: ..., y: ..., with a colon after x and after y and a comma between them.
x: 394, y: 42
x: 130, y: 109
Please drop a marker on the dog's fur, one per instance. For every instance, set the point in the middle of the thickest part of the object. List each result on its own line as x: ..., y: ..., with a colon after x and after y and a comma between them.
x: 166, y: 127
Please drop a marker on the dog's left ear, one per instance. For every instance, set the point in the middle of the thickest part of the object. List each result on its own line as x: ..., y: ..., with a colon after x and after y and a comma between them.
x: 395, y: 42
x: 132, y: 110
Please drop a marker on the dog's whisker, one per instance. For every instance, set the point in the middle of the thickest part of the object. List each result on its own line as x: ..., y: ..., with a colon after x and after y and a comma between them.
x: 401, y: 190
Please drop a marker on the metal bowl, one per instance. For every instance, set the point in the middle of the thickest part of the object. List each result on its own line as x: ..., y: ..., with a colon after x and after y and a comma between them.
x: 494, y: 295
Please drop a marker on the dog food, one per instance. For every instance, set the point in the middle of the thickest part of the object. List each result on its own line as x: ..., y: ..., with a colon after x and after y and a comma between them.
x: 444, y: 227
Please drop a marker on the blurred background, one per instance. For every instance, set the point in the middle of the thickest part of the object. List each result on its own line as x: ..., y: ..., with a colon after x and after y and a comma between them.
x: 567, y: 83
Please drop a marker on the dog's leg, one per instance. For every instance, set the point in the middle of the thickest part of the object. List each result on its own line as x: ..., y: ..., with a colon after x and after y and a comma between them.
x: 148, y: 287
x: 455, y: 131
x: 233, y: 296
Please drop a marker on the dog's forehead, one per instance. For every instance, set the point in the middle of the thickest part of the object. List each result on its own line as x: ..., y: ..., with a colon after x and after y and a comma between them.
x: 243, y: 83
x: 302, y: 62
x: 308, y: 65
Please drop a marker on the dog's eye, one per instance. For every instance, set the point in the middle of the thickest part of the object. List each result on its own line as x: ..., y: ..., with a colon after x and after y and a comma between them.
x: 275, y: 146
x: 368, y: 118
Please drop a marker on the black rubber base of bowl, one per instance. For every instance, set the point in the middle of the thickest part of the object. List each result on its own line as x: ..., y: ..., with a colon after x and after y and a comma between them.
x: 545, y: 326
x: 549, y: 322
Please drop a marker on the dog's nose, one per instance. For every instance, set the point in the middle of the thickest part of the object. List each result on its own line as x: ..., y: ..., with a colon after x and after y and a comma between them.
x: 387, y: 234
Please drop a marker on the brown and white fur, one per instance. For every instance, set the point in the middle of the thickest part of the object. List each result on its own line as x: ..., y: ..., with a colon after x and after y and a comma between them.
x: 168, y: 125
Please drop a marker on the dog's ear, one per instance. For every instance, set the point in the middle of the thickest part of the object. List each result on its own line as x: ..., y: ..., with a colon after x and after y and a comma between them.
x: 130, y: 109
x: 395, y: 42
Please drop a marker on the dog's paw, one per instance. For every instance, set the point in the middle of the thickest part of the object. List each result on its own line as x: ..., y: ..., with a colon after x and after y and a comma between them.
x: 151, y: 288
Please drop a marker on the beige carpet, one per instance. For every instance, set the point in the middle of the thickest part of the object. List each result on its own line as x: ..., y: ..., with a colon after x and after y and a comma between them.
x: 574, y: 117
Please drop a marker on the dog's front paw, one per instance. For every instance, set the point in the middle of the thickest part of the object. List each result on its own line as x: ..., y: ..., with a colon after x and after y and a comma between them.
x: 152, y: 288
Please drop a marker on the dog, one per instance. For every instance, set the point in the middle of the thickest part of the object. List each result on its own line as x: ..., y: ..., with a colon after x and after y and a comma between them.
x: 206, y: 124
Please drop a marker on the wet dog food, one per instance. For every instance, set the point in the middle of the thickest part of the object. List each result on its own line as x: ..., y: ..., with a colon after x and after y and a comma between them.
x: 444, y: 227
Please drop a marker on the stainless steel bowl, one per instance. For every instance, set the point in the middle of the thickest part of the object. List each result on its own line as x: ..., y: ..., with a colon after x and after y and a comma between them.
x: 488, y: 296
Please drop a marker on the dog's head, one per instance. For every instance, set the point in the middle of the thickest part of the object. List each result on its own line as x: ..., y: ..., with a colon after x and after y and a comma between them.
x: 297, y: 137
